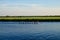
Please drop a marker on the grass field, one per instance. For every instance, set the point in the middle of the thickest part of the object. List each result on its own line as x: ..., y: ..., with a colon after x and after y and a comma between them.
x: 29, y: 17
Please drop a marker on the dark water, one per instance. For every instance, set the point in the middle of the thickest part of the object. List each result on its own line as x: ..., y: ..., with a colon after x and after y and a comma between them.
x: 30, y: 31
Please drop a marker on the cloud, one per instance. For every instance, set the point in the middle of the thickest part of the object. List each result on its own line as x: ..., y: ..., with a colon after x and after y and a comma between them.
x: 27, y: 9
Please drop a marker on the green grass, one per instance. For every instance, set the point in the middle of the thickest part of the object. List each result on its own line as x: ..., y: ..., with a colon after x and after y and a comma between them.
x: 29, y: 17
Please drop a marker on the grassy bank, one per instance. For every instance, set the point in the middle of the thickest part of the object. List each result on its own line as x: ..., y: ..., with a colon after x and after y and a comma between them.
x: 29, y: 18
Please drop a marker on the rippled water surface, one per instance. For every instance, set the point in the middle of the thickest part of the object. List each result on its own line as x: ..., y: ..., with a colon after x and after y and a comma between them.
x: 30, y: 31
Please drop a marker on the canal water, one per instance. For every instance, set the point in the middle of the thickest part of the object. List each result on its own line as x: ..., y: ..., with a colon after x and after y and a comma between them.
x: 29, y: 30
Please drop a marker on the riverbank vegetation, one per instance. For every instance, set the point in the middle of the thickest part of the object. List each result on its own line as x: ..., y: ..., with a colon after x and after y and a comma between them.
x: 29, y: 18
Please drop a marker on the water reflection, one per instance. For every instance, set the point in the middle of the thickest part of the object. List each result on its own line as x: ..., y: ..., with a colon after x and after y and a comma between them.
x: 39, y: 31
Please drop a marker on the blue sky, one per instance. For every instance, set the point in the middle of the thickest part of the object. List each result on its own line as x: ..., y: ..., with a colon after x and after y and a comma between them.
x: 29, y: 7
x: 43, y: 2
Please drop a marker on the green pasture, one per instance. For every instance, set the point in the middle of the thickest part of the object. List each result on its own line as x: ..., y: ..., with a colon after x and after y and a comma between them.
x: 28, y: 17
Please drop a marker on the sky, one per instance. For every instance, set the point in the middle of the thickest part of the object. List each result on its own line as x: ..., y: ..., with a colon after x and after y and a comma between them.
x: 29, y: 7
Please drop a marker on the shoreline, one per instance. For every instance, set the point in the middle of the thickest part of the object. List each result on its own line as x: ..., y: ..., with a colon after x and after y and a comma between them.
x: 35, y: 20
x: 31, y: 18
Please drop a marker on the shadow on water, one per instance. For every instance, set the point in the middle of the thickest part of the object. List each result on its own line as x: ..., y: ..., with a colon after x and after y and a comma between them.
x: 29, y: 31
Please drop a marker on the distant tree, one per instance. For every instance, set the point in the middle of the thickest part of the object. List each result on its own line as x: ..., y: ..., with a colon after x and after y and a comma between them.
x: 7, y: 16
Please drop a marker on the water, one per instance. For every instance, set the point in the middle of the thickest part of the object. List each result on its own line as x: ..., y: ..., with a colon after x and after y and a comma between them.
x: 30, y: 31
